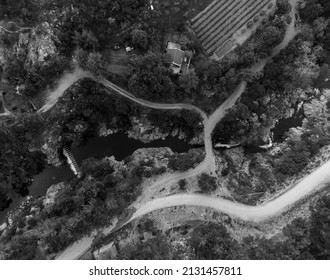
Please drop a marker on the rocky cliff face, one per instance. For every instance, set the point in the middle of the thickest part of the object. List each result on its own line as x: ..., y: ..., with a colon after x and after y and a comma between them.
x: 104, y: 131
x: 52, y: 191
x: 158, y: 155
x: 38, y: 45
x: 51, y: 145
x: 315, y: 107
x: 144, y: 131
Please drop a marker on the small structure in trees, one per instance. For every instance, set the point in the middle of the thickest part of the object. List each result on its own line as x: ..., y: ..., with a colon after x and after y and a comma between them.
x: 129, y: 49
x: 151, y: 5
x: 178, y: 59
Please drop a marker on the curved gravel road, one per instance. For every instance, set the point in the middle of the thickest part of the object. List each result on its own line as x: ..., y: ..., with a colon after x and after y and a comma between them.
x: 313, y: 182
x: 144, y: 206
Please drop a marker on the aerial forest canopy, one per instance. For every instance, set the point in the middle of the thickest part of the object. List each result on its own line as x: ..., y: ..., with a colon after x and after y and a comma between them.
x: 93, y: 21
x: 77, y: 20
x: 91, y: 62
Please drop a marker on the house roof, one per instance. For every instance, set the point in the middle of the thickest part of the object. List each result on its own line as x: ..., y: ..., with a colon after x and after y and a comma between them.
x: 174, y: 56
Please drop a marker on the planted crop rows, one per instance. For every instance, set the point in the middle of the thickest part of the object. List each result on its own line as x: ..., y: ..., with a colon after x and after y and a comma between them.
x: 222, y: 18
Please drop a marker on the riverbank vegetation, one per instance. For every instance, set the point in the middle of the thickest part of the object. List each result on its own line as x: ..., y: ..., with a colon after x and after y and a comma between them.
x: 294, y: 78
x: 269, y: 96
x: 76, y: 118
x: 18, y: 161
x: 87, y: 105
x: 34, y: 54
x: 184, y: 162
x: 47, y: 226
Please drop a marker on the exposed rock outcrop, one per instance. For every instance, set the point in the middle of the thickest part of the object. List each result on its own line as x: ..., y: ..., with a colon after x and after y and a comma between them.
x: 315, y: 107
x: 107, y: 252
x: 158, y: 155
x: 51, y: 138
x: 39, y: 44
x: 51, y: 193
x: 144, y: 131
x: 105, y: 131
x: 236, y: 156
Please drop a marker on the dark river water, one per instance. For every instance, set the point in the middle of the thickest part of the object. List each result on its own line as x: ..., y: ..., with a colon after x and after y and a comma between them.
x: 283, y: 125
x: 119, y: 145
x: 279, y: 131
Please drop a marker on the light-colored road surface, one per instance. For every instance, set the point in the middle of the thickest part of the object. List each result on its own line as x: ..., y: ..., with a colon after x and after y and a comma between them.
x: 290, y: 32
x: 64, y: 83
x: 145, y: 205
x: 208, y: 164
x: 3, y: 226
x: 149, y: 104
x: 77, y: 249
x: 311, y: 183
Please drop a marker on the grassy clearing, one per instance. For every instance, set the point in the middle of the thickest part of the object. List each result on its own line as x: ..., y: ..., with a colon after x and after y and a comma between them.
x: 117, y: 61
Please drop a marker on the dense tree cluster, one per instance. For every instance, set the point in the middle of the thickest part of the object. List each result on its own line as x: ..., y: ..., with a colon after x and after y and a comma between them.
x: 207, y: 183
x: 320, y: 229
x: 90, y: 61
x: 187, y: 121
x: 25, y: 10
x: 32, y: 78
x: 91, y: 23
x: 183, y: 162
x: 140, y: 38
x: 189, y: 80
x: 267, y: 36
x: 18, y: 164
x: 156, y: 248
x: 72, y: 24
x: 213, y: 242
x: 299, y: 66
x: 87, y: 26
x: 87, y: 105
x: 150, y: 78
x: 300, y: 240
x: 312, y: 9
x: 80, y: 206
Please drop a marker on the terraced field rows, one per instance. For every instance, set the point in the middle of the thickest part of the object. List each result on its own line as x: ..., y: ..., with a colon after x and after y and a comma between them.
x: 201, y: 15
x: 222, y: 18
x: 224, y: 15
x: 217, y: 11
x: 235, y: 24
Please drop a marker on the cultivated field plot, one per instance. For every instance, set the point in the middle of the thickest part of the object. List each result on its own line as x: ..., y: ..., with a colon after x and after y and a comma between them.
x: 222, y: 18
x: 224, y: 48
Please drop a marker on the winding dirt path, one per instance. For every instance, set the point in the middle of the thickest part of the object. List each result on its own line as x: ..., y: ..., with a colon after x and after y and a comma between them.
x: 145, y: 205
x: 149, y: 104
x: 241, y: 211
x: 310, y: 184
x: 69, y: 79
